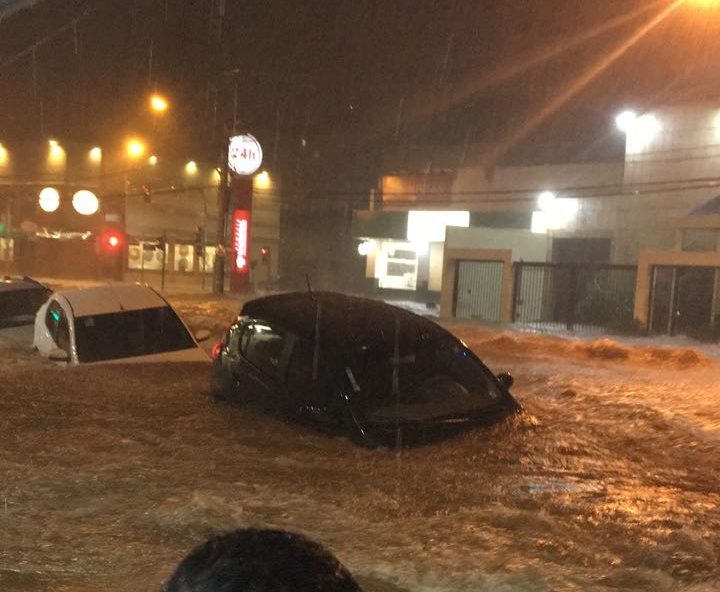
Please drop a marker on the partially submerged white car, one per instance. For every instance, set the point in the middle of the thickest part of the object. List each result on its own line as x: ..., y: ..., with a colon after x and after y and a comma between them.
x: 114, y: 323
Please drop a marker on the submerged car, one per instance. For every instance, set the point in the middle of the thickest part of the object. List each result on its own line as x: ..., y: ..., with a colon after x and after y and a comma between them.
x: 114, y: 323
x: 378, y: 373
x: 20, y: 299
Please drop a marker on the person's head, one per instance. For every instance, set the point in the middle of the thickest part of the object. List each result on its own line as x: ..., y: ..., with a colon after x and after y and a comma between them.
x: 251, y: 560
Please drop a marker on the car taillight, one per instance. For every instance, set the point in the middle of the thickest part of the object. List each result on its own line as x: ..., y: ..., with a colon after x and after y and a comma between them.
x: 217, y: 348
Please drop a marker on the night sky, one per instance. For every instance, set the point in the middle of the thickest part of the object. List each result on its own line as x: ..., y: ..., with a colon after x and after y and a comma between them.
x: 347, y: 72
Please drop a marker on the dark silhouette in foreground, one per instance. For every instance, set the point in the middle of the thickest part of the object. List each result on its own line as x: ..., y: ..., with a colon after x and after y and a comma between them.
x: 252, y: 560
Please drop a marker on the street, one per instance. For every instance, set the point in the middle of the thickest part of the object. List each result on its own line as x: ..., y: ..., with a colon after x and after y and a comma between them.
x: 609, y: 481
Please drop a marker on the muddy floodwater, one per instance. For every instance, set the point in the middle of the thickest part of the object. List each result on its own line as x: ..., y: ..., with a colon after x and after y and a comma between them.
x: 610, y: 480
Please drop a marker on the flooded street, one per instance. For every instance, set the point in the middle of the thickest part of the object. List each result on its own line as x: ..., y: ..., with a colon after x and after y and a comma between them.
x: 609, y: 481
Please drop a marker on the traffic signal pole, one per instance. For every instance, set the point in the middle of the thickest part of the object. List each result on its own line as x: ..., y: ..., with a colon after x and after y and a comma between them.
x: 223, y: 203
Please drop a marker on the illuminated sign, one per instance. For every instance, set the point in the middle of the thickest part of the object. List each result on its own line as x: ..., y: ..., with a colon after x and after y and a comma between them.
x: 240, y: 240
x: 425, y: 227
x: 244, y: 154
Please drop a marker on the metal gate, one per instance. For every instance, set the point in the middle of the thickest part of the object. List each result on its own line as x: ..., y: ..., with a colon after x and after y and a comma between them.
x: 685, y: 300
x: 593, y: 298
x: 479, y: 290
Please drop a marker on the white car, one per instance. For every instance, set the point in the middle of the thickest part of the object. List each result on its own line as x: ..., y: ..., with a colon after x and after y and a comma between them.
x: 114, y: 323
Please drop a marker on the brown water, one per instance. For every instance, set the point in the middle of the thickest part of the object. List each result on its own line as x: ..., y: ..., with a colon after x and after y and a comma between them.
x: 609, y: 481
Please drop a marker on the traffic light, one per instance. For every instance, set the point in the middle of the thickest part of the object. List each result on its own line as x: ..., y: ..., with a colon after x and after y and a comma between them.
x: 111, y: 241
x: 146, y: 193
x: 199, y: 251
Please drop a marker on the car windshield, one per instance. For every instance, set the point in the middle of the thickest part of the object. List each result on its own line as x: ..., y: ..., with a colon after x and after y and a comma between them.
x: 18, y: 307
x: 416, y: 371
x: 129, y: 334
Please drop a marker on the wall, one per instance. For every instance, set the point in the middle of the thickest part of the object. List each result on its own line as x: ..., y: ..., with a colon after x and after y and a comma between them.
x: 523, y: 244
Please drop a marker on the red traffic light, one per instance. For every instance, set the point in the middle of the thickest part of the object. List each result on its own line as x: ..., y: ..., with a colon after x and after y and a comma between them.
x: 112, y: 240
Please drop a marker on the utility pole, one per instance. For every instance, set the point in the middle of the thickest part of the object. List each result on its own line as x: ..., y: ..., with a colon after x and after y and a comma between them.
x: 223, y: 202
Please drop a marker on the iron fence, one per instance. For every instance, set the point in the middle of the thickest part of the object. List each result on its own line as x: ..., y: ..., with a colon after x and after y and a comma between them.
x: 592, y: 298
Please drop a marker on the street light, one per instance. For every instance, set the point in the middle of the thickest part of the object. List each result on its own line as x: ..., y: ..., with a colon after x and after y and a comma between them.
x: 625, y: 120
x: 191, y: 168
x: 56, y: 154
x: 135, y: 148
x: 262, y: 180
x: 153, y: 160
x: 158, y: 103
x: 95, y: 155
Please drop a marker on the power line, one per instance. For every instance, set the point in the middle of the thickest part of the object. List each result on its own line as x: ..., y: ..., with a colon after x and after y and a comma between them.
x: 30, y: 49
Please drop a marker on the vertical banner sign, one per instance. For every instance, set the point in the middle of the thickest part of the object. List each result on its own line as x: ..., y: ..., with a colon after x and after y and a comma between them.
x: 241, y: 208
x: 240, y: 241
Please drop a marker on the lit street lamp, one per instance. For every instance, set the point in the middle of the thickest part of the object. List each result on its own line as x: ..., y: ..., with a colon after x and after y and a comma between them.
x: 135, y: 148
x: 158, y: 104
x: 191, y: 168
x: 95, y: 155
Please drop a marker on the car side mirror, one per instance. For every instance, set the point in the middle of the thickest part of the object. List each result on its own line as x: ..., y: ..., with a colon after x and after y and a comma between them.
x: 201, y: 335
x: 506, y: 379
x: 58, y: 355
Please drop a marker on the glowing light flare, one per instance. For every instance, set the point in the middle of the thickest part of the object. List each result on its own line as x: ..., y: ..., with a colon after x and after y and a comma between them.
x: 135, y: 148
x: 421, y: 248
x: 3, y: 155
x: 554, y: 213
x: 539, y: 222
x: 545, y: 199
x: 716, y: 125
x: 625, y: 120
x: 533, y: 120
x: 56, y: 154
x: 95, y: 155
x: 262, y: 180
x: 642, y: 132
x: 49, y: 199
x: 158, y: 103
x: 152, y: 160
x: 85, y: 202
x: 366, y: 247
x: 111, y: 240
x: 429, y: 226
x: 191, y: 168
x: 703, y: 3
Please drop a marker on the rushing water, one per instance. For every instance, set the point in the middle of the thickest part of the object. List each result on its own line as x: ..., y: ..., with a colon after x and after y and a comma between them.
x: 609, y: 481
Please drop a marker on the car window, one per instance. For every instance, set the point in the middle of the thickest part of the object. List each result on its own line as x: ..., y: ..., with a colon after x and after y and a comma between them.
x: 263, y: 347
x: 57, y: 324
x: 233, y: 340
x: 129, y: 334
x: 419, y: 371
x: 303, y: 383
x: 18, y: 307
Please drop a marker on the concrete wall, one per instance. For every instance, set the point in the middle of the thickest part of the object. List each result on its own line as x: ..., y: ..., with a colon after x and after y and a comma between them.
x: 523, y: 244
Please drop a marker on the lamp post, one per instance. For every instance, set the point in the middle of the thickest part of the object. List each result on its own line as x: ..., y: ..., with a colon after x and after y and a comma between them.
x: 219, y: 265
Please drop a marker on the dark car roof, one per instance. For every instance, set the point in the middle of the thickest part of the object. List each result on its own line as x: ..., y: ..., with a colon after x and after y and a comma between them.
x: 15, y: 284
x: 345, y: 321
